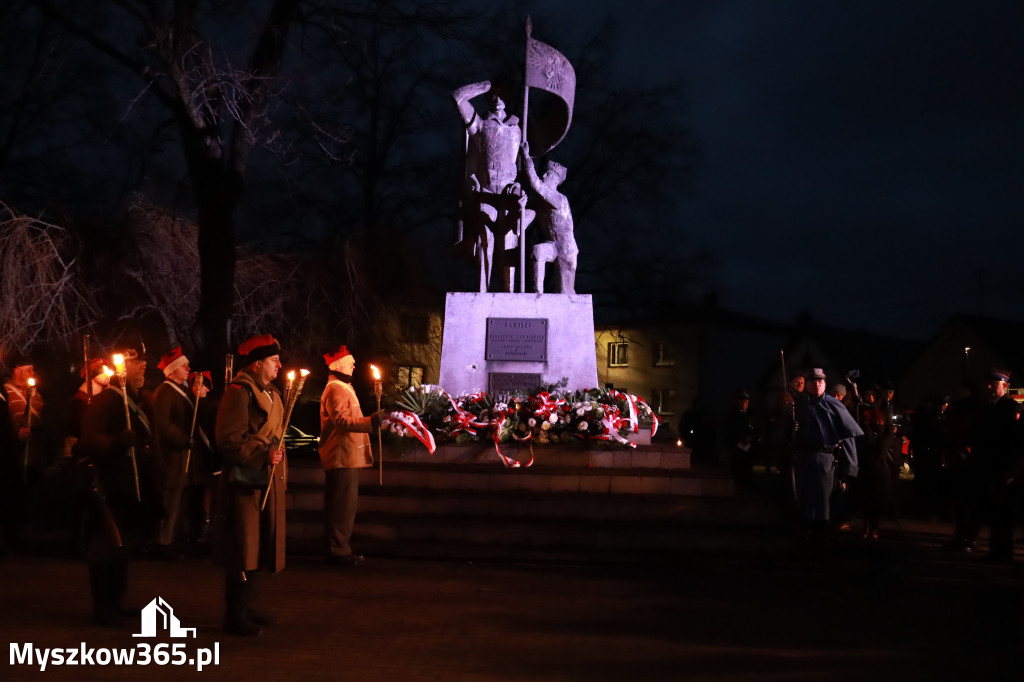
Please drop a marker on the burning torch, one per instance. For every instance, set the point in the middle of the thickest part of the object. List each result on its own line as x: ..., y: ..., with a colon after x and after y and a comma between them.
x: 292, y: 397
x: 28, y: 424
x: 122, y: 375
x: 377, y: 393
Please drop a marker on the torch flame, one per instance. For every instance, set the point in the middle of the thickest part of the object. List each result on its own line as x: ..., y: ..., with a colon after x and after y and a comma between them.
x: 109, y: 372
x: 31, y: 382
x: 376, y: 372
x: 119, y: 361
x: 303, y: 372
x: 291, y: 375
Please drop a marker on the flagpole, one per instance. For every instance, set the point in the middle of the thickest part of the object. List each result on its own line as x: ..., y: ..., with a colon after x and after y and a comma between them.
x: 526, y: 110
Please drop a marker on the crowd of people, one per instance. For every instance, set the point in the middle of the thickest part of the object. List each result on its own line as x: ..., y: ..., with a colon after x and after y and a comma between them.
x: 964, y: 453
x: 155, y: 472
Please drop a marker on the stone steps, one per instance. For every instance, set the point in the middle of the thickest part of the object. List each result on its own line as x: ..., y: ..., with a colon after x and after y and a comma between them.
x: 569, y: 504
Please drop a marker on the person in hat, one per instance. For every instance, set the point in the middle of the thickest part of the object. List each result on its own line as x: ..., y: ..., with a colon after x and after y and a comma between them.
x: 344, y: 450
x: 27, y: 419
x: 209, y: 458
x: 741, y: 430
x: 95, y: 379
x: 249, y: 435
x: 874, y: 481
x: 9, y: 512
x: 124, y: 477
x: 998, y: 445
x: 174, y: 405
x: 822, y: 433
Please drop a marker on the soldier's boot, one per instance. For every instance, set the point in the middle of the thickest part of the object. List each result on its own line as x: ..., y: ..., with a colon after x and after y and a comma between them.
x: 254, y: 611
x: 236, y: 603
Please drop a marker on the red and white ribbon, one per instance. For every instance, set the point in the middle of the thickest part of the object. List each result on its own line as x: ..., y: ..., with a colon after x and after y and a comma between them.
x: 414, y: 425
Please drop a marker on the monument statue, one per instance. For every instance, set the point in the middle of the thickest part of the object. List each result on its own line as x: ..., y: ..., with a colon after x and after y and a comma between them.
x: 556, y: 223
x: 495, y: 206
x: 504, y: 341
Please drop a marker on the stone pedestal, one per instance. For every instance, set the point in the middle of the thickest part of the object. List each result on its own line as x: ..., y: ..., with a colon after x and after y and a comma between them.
x: 510, y: 343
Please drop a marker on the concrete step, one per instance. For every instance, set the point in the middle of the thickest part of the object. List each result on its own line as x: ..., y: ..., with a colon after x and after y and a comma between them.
x: 482, y: 536
x: 668, y: 457
x: 538, y: 478
x: 461, y: 509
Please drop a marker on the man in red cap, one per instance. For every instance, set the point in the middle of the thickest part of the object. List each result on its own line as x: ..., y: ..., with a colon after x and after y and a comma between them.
x: 173, y: 408
x: 27, y: 418
x: 249, y: 435
x: 9, y: 513
x: 344, y: 450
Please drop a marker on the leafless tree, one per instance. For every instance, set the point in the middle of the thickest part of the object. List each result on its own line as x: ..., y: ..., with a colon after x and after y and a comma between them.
x: 41, y: 294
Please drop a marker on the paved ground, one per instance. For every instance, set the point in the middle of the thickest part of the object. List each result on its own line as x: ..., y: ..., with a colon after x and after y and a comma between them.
x: 898, y: 609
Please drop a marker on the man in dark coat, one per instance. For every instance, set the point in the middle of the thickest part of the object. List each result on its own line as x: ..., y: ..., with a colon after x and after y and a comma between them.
x: 124, y: 481
x: 998, y: 445
x: 823, y: 435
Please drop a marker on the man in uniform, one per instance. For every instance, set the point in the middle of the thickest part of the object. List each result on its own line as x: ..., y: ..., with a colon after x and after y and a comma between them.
x: 998, y: 443
x: 249, y: 435
x: 344, y: 450
x: 822, y: 434
x: 94, y: 380
x: 124, y: 485
x: 27, y: 418
x: 173, y: 409
x: 8, y: 474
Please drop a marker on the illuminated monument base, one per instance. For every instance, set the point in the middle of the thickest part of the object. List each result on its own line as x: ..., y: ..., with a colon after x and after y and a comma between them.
x: 509, y: 344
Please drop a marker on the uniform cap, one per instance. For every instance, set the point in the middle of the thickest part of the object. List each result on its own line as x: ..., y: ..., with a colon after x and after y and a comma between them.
x: 258, y: 348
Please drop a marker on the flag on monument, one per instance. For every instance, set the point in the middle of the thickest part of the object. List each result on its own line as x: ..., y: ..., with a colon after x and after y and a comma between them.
x: 547, y: 69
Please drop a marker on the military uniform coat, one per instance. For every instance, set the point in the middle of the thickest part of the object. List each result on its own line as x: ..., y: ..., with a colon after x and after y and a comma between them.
x: 250, y: 423
x: 104, y: 444
x: 825, y: 448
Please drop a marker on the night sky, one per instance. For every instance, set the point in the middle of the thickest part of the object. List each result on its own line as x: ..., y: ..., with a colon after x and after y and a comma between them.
x: 861, y: 160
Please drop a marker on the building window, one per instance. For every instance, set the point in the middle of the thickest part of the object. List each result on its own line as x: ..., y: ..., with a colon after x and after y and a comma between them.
x: 618, y: 354
x: 410, y: 375
x: 663, y: 355
x: 659, y: 400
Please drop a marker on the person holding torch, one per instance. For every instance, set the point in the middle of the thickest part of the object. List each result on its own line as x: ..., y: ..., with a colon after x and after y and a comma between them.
x: 250, y: 438
x: 116, y: 434
x: 175, y: 403
x: 344, y: 450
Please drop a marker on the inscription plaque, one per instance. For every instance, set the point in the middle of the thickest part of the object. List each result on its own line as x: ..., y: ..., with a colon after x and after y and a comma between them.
x: 521, y: 339
x: 512, y: 383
